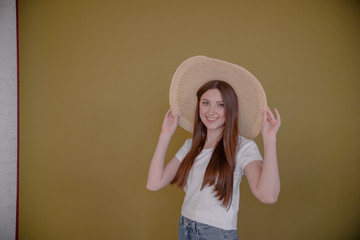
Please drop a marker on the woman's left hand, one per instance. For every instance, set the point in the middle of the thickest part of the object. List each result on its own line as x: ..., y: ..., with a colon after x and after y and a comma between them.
x: 270, y: 125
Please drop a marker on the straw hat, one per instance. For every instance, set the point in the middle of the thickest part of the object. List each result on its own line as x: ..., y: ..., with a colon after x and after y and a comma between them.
x: 196, y: 71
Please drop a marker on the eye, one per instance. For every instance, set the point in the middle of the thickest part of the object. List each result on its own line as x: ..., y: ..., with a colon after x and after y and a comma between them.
x: 205, y: 103
x: 221, y: 105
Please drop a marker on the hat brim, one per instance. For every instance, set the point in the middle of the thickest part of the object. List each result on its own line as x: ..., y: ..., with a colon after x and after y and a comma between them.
x: 196, y: 71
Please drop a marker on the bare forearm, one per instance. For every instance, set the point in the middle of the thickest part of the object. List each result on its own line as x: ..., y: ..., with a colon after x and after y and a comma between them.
x: 269, y: 183
x: 157, y: 163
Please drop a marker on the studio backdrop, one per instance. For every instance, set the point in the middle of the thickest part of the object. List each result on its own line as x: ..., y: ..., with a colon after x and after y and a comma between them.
x: 94, y: 84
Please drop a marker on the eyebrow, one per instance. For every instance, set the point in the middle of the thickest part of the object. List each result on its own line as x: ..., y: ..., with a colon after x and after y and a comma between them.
x: 209, y: 100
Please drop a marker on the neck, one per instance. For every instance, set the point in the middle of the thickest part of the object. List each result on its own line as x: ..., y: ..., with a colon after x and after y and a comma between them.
x: 212, y: 137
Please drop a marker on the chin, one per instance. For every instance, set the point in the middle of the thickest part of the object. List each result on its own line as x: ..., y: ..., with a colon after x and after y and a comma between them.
x: 212, y: 127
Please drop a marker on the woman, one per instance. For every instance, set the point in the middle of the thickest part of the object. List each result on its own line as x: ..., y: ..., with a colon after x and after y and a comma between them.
x: 210, y: 165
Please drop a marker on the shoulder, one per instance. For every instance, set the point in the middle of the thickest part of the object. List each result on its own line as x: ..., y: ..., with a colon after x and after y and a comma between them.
x: 247, y: 152
x: 185, y: 148
x: 247, y: 147
x: 188, y: 143
x: 244, y: 142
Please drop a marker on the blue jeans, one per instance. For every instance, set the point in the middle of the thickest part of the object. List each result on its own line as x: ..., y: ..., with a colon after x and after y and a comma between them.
x: 192, y: 230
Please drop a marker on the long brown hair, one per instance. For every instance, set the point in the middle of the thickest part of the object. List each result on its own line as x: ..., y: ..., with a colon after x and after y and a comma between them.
x: 220, y: 170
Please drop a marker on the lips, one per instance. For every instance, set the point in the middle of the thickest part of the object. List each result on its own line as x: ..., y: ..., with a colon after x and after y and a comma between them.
x: 211, y: 118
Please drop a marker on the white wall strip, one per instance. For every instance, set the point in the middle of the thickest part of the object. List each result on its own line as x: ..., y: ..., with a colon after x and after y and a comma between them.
x: 8, y: 119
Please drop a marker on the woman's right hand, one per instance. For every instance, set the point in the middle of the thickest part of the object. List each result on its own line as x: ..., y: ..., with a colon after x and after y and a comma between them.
x: 170, y: 123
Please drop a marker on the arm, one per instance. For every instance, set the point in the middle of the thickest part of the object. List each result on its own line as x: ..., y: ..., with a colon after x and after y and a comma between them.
x: 264, y: 179
x: 159, y: 176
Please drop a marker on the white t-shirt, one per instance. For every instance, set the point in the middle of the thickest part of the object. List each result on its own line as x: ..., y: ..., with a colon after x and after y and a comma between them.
x: 203, y: 206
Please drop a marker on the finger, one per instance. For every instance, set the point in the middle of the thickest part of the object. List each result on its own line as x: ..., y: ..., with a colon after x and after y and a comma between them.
x: 267, y: 115
x: 277, y: 115
x: 177, y: 115
x: 264, y: 115
x: 169, y: 113
x: 270, y: 113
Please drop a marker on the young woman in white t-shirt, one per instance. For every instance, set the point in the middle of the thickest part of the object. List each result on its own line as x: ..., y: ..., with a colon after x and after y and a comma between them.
x: 210, y: 165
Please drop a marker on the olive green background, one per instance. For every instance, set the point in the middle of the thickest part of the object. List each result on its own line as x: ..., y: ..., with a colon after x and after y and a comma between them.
x: 94, y: 81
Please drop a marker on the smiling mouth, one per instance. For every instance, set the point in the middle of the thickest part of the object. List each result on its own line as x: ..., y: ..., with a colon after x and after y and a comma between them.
x: 211, y: 118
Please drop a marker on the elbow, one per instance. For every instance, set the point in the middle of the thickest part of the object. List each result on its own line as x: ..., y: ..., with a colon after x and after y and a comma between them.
x: 152, y: 187
x: 268, y: 200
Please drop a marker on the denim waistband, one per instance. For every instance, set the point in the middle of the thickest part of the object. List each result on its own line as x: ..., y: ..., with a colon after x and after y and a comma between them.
x: 195, y: 226
x: 204, y: 231
x: 185, y: 222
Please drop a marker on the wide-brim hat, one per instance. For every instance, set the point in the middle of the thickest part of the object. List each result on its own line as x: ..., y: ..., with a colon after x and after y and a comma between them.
x: 196, y: 71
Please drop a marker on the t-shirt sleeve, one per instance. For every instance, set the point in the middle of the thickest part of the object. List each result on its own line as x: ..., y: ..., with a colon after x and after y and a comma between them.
x: 185, y: 148
x: 247, y: 153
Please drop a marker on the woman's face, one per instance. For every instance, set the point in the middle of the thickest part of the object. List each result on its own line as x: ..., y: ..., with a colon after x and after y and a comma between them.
x: 211, y: 109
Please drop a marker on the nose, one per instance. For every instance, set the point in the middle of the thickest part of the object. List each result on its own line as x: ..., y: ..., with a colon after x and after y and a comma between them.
x: 211, y: 110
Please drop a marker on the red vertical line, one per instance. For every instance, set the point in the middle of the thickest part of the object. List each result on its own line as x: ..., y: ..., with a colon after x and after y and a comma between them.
x: 18, y: 122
